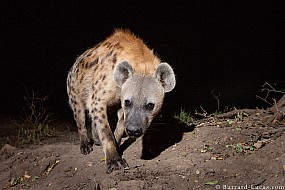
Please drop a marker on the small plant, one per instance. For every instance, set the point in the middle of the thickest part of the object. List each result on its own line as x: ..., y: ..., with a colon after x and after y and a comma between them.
x: 184, y: 117
x: 206, y: 148
x: 242, y: 147
x: 36, y: 120
x: 238, y: 118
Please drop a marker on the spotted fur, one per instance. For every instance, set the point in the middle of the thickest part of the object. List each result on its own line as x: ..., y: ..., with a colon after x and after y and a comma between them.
x: 121, y: 69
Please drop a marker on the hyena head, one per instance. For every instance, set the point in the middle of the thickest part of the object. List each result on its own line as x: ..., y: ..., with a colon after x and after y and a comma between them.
x: 142, y: 95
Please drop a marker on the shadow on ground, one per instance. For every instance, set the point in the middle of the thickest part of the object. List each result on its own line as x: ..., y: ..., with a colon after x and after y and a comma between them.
x: 162, y: 135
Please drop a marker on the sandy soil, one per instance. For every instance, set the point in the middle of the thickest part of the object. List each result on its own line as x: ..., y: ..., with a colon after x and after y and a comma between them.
x: 215, y: 155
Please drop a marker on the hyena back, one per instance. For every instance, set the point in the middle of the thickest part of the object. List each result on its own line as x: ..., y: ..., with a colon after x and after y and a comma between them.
x: 121, y: 69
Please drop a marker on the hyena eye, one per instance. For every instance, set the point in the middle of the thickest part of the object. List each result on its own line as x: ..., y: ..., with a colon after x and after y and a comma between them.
x: 150, y: 106
x: 128, y: 103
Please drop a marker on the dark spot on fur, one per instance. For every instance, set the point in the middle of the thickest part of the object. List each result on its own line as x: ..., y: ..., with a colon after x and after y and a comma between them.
x: 114, y: 58
x: 107, y: 136
x: 117, y: 44
x: 103, y: 78
x: 93, y: 63
x: 104, y: 92
x: 95, y: 117
x: 81, y: 79
x: 103, y: 116
x: 92, y: 96
x: 96, y: 82
x: 100, y: 121
x: 109, y: 54
x: 101, y: 108
x: 106, y: 44
x: 96, y: 67
x: 109, y: 46
x: 86, y: 65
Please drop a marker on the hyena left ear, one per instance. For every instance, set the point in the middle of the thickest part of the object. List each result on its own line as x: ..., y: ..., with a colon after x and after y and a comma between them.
x: 122, y: 72
x: 165, y: 75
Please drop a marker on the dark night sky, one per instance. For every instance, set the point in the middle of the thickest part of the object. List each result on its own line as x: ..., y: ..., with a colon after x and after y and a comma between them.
x: 232, y: 47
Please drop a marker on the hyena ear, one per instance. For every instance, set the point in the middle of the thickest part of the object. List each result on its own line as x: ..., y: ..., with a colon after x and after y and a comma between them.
x: 165, y: 75
x: 122, y: 72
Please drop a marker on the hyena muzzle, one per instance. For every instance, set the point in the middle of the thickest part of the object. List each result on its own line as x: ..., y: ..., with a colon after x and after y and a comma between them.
x: 120, y: 70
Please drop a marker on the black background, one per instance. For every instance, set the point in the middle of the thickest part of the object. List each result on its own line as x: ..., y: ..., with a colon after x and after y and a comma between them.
x: 231, y: 47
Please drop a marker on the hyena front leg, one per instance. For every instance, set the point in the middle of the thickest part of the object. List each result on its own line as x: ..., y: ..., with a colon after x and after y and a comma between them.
x: 95, y: 135
x: 113, y: 160
x: 79, y: 116
x: 119, y: 133
x: 120, y: 128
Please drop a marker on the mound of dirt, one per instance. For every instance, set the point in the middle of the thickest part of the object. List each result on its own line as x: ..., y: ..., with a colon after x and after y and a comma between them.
x: 216, y: 154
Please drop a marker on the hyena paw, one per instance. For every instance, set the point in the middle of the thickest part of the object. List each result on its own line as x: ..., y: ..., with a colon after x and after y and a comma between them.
x: 116, y: 164
x: 86, y: 148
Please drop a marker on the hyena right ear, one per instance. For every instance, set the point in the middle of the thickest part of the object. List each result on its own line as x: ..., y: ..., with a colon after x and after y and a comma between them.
x: 122, y: 72
x: 165, y: 75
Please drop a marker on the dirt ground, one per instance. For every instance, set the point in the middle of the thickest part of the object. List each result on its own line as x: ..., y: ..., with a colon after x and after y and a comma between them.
x: 218, y: 154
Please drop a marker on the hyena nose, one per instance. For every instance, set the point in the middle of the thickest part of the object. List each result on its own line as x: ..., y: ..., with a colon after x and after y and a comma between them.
x: 134, y: 132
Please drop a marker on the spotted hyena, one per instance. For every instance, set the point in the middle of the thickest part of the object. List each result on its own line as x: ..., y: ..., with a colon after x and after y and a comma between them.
x: 120, y: 70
